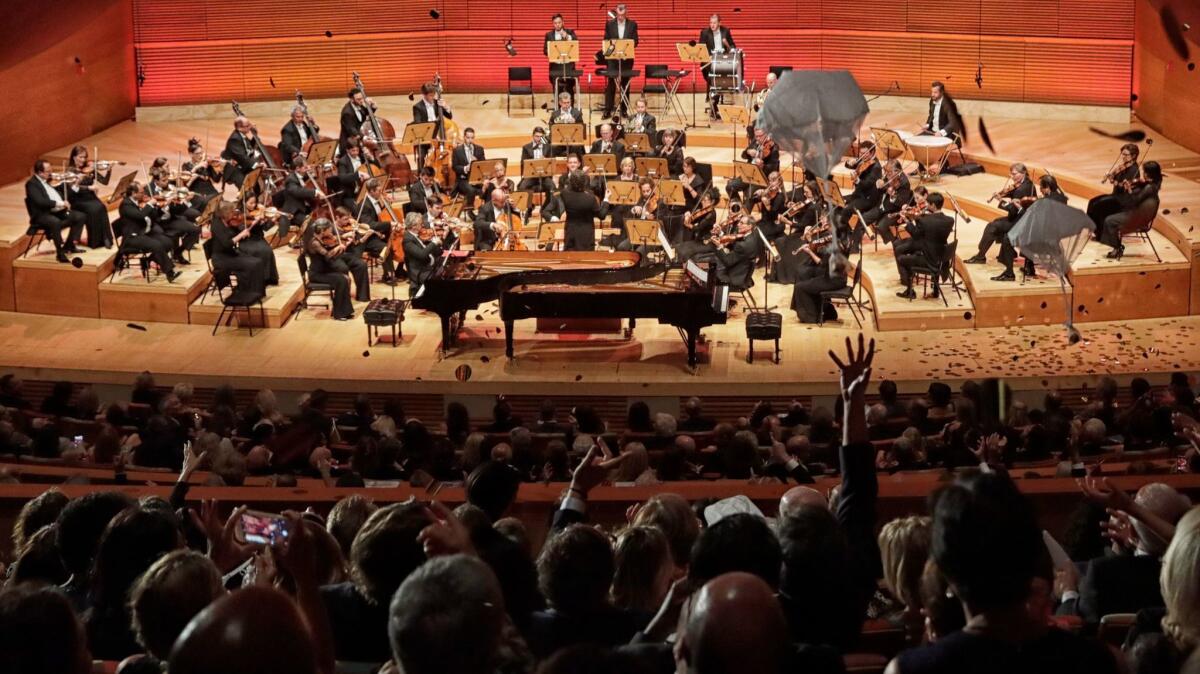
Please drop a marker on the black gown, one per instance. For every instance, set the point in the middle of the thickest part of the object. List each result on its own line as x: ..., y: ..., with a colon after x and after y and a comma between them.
x: 256, y: 245
x: 792, y: 264
x: 99, y: 233
x: 229, y: 258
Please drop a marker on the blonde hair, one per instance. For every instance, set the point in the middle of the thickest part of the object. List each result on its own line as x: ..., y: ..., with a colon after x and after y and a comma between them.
x: 904, y: 548
x: 635, y: 461
x: 1179, y: 581
x: 672, y: 515
x: 640, y: 555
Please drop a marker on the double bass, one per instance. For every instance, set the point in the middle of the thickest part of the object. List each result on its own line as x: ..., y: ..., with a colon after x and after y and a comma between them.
x: 378, y: 135
x: 271, y: 155
x: 441, y: 156
x: 308, y: 118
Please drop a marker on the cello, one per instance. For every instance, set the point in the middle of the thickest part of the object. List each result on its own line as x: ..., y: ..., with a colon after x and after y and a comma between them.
x: 440, y: 158
x: 378, y: 135
x: 271, y: 155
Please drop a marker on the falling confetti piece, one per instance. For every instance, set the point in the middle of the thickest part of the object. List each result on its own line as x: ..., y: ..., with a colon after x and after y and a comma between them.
x: 1130, y: 136
x: 485, y: 359
x: 462, y: 372
x: 1174, y: 31
x: 987, y: 138
x: 578, y: 377
x: 366, y: 354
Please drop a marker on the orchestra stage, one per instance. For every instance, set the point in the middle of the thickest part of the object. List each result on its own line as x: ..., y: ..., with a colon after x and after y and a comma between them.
x: 1136, y: 315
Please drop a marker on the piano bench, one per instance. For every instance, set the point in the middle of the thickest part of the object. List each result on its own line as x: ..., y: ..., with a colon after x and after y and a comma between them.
x: 762, y: 325
x: 384, y: 313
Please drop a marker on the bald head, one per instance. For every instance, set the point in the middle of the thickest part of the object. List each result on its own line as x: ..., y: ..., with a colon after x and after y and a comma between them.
x: 735, y: 625
x: 1162, y: 500
x: 252, y: 631
x: 798, y: 497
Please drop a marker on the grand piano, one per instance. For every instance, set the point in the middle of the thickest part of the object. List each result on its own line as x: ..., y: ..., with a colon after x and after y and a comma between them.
x: 572, y: 284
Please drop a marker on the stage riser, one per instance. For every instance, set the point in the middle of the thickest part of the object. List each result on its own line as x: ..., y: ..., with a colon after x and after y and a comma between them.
x: 153, y: 306
x: 275, y: 318
x: 61, y: 290
x: 8, y: 294
x: 1108, y: 297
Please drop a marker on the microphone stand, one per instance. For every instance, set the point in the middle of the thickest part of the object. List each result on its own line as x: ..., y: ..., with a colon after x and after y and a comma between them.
x: 894, y: 86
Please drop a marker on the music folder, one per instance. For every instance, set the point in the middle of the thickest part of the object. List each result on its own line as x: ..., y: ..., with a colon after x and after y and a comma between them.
x: 600, y: 164
x: 537, y: 168
x: 481, y: 170
x: 567, y: 134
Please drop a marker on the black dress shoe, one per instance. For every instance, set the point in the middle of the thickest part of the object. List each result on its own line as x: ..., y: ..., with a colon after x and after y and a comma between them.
x: 1006, y: 276
x: 1116, y: 253
x: 172, y: 275
x: 936, y: 293
x: 908, y: 294
x: 179, y: 259
x: 62, y: 257
x: 978, y: 259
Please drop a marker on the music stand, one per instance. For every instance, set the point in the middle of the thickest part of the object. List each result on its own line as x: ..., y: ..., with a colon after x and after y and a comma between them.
x: 738, y: 116
x: 481, y: 170
x: 670, y: 192
x: 642, y: 231
x: 418, y: 135
x: 454, y: 208
x: 118, y: 192
x: 831, y: 192
x: 520, y: 200
x: 696, y: 54
x: 549, y: 233
x: 560, y: 53
x: 568, y: 135
x: 624, y: 193
x: 637, y: 143
x: 600, y: 164
x: 209, y: 209
x: 890, y: 142
x: 619, y: 51
x: 537, y: 168
x: 748, y: 173
x: 651, y: 167
x: 321, y: 153
x: 250, y: 181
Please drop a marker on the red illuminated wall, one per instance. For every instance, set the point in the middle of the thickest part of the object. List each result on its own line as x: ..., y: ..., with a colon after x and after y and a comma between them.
x: 1064, y: 51
x: 1168, y: 91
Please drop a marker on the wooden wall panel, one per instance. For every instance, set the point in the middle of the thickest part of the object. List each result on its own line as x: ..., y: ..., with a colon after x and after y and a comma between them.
x: 1168, y: 94
x: 1034, y: 50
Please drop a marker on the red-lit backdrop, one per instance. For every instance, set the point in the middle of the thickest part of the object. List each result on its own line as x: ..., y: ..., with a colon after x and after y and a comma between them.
x: 1059, y: 51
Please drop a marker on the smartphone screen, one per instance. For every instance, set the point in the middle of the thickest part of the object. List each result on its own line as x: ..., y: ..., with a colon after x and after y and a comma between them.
x: 263, y: 528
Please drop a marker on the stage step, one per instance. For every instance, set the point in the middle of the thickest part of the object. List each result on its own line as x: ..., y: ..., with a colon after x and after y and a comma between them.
x: 278, y: 305
x: 45, y: 286
x: 127, y: 296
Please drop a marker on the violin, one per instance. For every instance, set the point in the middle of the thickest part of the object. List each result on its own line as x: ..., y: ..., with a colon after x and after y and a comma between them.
x: 1003, y: 192
x: 690, y: 218
x: 1117, y: 170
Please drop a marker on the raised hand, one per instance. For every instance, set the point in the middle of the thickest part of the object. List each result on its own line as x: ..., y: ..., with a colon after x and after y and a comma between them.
x: 446, y: 535
x: 223, y: 548
x: 589, y: 473
x: 856, y: 371
x: 1102, y: 492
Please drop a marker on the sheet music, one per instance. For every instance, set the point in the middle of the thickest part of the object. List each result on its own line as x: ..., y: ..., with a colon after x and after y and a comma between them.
x: 697, y: 272
x: 666, y: 244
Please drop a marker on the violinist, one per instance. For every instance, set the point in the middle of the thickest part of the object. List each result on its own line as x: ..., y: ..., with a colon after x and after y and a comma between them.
x: 581, y: 208
x: 829, y: 272
x: 355, y: 113
x: 440, y: 222
x: 868, y: 174
x: 1141, y: 207
x: 82, y: 196
x: 491, y: 220
x: 422, y: 190
x: 327, y: 265
x: 300, y: 194
x: 362, y: 237
x: 206, y: 173
x: 536, y: 148
x: 180, y: 224
x: 698, y: 226
x: 1014, y: 199
x: 421, y: 250
x: 761, y: 152
x: 353, y: 168
x: 294, y: 135
x: 138, y: 227
x: 256, y: 221
x: 1124, y: 170
x: 738, y: 252
x: 431, y: 108
x: 925, y: 246
x: 793, y: 262
x: 561, y: 77
x: 460, y: 160
x: 669, y: 149
x: 719, y: 40
x: 897, y: 193
x: 566, y: 113
x: 229, y: 231
x: 771, y: 205
x: 890, y: 226
x: 242, y: 152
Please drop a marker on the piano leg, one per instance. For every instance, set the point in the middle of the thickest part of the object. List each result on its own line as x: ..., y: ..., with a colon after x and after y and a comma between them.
x: 691, y: 346
x: 447, y: 335
x: 508, y: 339
x: 629, y: 330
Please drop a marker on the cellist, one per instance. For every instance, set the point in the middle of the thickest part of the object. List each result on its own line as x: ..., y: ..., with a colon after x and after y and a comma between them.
x: 353, y: 168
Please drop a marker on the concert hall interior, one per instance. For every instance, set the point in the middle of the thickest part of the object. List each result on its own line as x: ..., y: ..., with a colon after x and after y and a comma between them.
x: 647, y: 265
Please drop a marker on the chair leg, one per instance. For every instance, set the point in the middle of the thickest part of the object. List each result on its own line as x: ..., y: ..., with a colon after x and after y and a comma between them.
x: 1152, y: 247
x: 750, y: 354
x: 220, y: 317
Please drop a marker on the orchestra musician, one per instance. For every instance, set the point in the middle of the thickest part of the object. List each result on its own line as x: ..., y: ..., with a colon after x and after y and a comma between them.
x: 353, y: 168
x: 361, y: 237
x: 828, y: 272
x: 297, y: 132
x: 431, y: 108
x: 560, y: 74
x: 620, y: 212
x: 620, y: 27
x: 438, y: 220
x: 355, y: 113
x: 139, y: 231
x: 762, y: 153
x: 737, y: 254
x: 770, y: 204
x: 607, y: 143
x: 719, y: 40
x: 498, y: 179
x: 795, y: 263
x: 769, y: 86
x: 422, y: 190
x: 1141, y: 206
x: 300, y: 193
x: 926, y: 245
x: 241, y: 151
x: 326, y: 265
x: 1123, y: 172
x: 868, y: 176
x: 491, y: 219
x: 181, y: 223
x: 581, y: 208
x: 207, y: 173
x: 669, y: 149
x: 889, y: 226
x: 228, y: 233
x: 257, y: 222
x: 566, y: 113
x: 698, y: 226
x: 642, y: 122
x: 1047, y: 189
x: 537, y: 148
x: 419, y: 254
x: 82, y: 196
x: 897, y: 193
x: 943, y: 117
x: 460, y: 160
x: 1014, y: 200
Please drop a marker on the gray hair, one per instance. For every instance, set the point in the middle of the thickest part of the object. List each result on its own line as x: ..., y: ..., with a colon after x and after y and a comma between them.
x: 1164, y: 501
x: 297, y: 108
x: 1019, y: 168
x: 664, y: 424
x: 413, y: 221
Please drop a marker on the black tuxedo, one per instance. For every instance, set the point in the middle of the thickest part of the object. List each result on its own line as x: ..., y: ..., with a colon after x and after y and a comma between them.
x: 558, y: 70
x: 927, y: 246
x: 582, y: 209
x: 289, y: 139
x: 351, y: 125
x: 706, y: 39
x: 997, y: 230
x: 735, y: 264
x: 417, y: 196
x: 1120, y: 584
x: 348, y: 180
x: 544, y: 185
x: 616, y: 148
x: 649, y: 127
x: 740, y: 189
x: 889, y: 204
x: 421, y: 114
x: 618, y: 66
x: 296, y: 201
x: 137, y: 226
x: 948, y: 119
x: 462, y: 168
x: 485, y: 237
x: 419, y: 258
x: 244, y: 155
x: 42, y: 217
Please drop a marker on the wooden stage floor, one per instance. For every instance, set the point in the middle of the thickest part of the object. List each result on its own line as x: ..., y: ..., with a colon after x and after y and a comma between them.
x: 1135, y: 315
